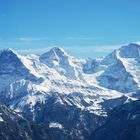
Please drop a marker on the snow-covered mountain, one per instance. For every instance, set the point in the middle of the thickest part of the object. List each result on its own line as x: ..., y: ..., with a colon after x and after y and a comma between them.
x: 122, y: 69
x: 65, y: 92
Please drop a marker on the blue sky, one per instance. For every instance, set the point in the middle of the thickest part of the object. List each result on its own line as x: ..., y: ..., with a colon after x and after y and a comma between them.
x: 84, y: 28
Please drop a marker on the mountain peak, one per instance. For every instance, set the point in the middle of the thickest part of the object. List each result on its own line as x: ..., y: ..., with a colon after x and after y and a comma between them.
x: 8, y: 53
x: 132, y: 45
x: 54, y: 54
x: 7, y: 50
x: 130, y: 51
x: 58, y: 51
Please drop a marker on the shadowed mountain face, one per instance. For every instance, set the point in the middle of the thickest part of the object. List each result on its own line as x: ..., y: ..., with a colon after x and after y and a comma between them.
x: 123, y: 123
x: 64, y: 97
x: 13, y: 126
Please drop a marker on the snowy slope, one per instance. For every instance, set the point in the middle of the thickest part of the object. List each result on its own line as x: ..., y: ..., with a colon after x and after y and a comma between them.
x: 39, y: 86
x: 26, y: 78
x: 56, y: 71
x: 122, y: 68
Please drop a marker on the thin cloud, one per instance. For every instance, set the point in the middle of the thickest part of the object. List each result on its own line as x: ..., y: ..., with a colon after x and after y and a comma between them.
x: 83, y: 38
x: 36, y: 50
x: 79, y: 49
x: 23, y: 41
x: 29, y: 45
x: 30, y: 39
x: 93, y: 48
x: 107, y: 48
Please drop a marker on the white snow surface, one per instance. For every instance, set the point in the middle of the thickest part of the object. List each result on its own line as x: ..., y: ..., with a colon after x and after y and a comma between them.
x: 55, y: 125
x: 1, y: 119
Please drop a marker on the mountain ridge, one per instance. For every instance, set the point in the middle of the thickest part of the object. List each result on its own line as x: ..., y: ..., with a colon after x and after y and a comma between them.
x: 54, y: 86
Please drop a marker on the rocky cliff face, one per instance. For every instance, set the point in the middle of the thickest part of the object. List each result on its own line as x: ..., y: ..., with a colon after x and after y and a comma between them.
x: 122, y: 124
x: 13, y: 126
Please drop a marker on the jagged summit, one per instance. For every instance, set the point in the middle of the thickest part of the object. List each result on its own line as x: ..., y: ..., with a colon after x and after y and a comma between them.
x: 58, y: 50
x: 59, y: 60
x: 130, y: 51
x: 121, y: 67
x: 8, y: 51
x: 8, y: 55
x: 54, y: 54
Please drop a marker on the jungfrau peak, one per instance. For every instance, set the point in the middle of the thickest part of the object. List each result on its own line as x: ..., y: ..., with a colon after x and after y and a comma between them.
x: 130, y: 51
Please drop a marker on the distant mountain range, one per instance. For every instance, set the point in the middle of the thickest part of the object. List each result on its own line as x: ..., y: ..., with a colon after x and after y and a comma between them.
x: 66, y: 98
